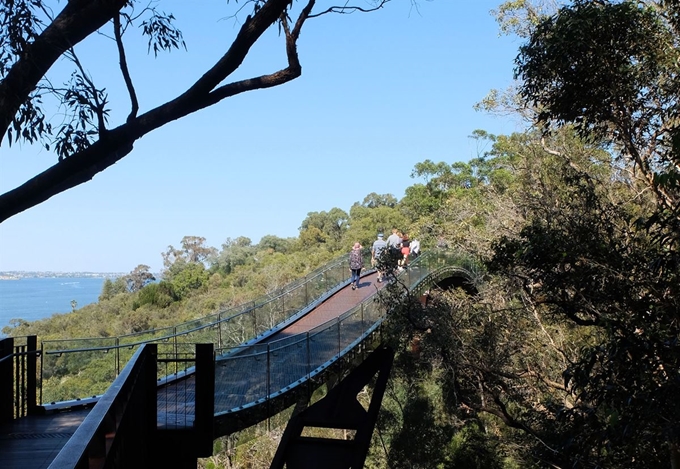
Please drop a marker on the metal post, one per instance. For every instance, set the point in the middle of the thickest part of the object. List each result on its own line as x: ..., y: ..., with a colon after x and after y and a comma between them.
x: 117, y: 356
x: 254, y: 313
x: 363, y: 327
x: 268, y: 388
x: 174, y: 345
x: 268, y: 372
x: 338, y: 337
x: 205, y: 398
x: 42, y: 359
x: 6, y: 384
x: 309, y: 358
x: 19, y: 380
x: 31, y: 373
x: 219, y: 330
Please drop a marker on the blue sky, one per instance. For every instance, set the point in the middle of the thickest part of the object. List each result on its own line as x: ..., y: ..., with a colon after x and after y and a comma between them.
x: 378, y: 93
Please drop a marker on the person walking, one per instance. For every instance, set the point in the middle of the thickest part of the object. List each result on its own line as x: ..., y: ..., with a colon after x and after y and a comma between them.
x: 379, y: 246
x: 356, y: 263
x: 415, y: 248
x: 405, y: 250
x: 394, y: 240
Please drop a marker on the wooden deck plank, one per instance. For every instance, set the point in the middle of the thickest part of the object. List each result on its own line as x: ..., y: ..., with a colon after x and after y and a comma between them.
x: 33, y: 442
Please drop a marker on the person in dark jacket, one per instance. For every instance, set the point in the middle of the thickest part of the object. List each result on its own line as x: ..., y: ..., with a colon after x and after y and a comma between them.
x: 356, y: 263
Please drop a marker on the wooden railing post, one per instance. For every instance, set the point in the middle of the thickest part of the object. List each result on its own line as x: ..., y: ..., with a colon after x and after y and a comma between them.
x: 31, y: 374
x: 6, y: 380
x: 205, y: 399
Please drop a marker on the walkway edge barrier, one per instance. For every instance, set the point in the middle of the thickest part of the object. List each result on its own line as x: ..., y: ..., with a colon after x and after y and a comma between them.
x: 120, y: 428
x: 18, y: 377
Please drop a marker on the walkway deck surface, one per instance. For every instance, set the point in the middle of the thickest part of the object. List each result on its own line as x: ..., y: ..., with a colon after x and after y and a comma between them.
x: 33, y: 442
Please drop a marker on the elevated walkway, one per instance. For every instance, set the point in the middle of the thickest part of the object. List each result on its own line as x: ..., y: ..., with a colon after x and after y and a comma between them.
x: 247, y: 383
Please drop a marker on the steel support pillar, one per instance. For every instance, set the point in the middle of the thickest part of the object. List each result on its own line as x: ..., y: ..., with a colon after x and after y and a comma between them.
x: 340, y: 409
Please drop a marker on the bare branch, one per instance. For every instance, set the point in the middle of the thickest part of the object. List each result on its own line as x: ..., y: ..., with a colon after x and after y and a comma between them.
x: 348, y: 9
x: 301, y: 19
x: 134, y: 103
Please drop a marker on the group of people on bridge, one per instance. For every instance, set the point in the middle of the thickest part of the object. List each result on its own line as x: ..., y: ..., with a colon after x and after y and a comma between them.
x: 398, y: 242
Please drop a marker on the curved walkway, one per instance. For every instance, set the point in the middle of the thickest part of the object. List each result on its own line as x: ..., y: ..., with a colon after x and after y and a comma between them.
x: 245, y: 376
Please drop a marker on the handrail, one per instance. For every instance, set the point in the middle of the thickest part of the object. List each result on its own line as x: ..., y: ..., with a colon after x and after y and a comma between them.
x: 37, y: 353
x: 262, y: 300
x: 127, y: 410
x: 250, y: 319
x: 326, y: 341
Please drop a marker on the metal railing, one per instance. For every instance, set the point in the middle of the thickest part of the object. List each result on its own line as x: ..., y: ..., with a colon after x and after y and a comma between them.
x: 97, y: 361
x: 248, y: 375
x: 101, y: 358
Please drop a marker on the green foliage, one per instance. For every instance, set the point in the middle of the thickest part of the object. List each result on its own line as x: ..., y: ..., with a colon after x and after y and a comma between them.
x: 193, y: 251
x: 592, y: 267
x: 160, y: 295
x: 107, y: 290
x: 604, y: 59
x: 374, y: 200
x: 324, y: 228
x: 139, y: 277
x: 111, y: 288
x: 471, y: 447
x: 163, y: 35
x: 184, y: 279
x: 421, y: 442
x: 611, y: 70
x: 276, y: 244
x: 368, y: 219
x: 234, y: 253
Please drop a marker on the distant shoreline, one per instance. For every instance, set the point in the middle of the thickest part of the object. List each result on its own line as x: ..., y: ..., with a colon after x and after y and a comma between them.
x: 18, y: 275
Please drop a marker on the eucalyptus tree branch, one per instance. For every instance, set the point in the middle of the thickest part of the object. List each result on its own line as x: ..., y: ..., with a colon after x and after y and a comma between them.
x: 306, y: 11
x: 639, y: 160
x: 505, y: 415
x: 554, y: 346
x: 134, y: 103
x: 75, y: 22
x: 548, y: 382
x: 98, y: 106
x: 118, y: 142
x: 348, y: 9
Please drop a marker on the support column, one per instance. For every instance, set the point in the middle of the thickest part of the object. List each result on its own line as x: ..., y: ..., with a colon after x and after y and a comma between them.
x: 6, y: 380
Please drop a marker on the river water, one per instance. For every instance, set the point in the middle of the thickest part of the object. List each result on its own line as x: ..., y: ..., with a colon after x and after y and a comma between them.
x: 37, y: 298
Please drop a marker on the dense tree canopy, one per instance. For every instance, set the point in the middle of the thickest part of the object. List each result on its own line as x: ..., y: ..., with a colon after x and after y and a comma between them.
x: 611, y: 70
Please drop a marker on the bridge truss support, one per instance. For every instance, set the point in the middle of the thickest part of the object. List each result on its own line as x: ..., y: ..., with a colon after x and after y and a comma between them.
x: 339, y: 409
